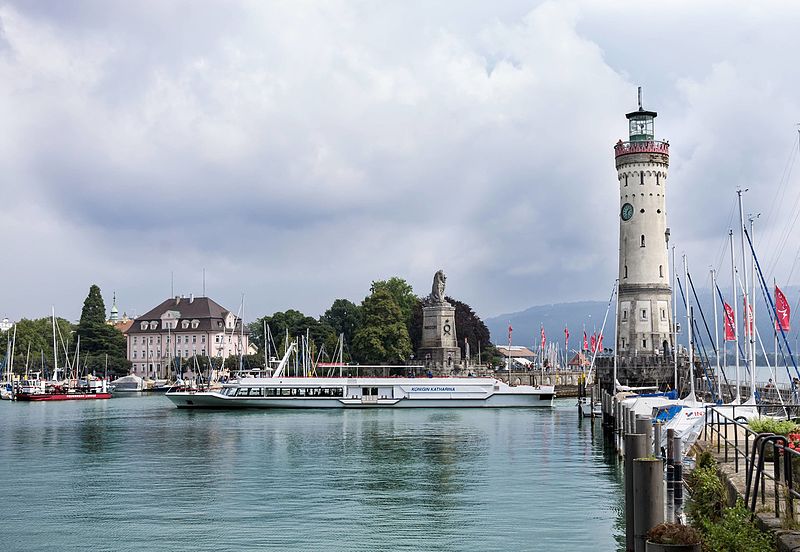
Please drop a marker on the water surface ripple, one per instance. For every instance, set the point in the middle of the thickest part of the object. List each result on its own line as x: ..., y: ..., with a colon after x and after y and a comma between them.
x: 135, y: 473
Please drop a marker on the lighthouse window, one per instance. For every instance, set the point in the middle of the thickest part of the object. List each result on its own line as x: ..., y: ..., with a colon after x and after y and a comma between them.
x: 644, y: 343
x: 624, y: 314
x: 663, y: 314
x: 622, y: 344
x: 644, y: 314
x: 657, y: 182
x: 658, y: 211
x: 626, y: 179
x: 626, y: 271
x: 642, y: 210
x: 642, y: 240
x: 660, y: 271
x: 641, y: 178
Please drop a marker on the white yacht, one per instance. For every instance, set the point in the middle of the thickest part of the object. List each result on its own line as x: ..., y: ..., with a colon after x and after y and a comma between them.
x: 284, y: 392
x: 276, y: 390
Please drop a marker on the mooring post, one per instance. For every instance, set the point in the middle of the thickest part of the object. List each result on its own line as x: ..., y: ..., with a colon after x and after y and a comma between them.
x: 648, y: 499
x: 677, y: 475
x: 657, y: 439
x: 635, y: 447
x: 670, y: 476
x: 645, y: 425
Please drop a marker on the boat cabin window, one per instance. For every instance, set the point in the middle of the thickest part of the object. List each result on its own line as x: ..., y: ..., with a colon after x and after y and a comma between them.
x: 369, y: 391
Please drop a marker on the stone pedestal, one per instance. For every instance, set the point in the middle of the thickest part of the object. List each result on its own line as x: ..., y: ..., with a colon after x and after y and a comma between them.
x: 439, y: 349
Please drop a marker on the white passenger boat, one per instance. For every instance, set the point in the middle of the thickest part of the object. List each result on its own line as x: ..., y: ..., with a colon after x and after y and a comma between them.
x: 282, y: 392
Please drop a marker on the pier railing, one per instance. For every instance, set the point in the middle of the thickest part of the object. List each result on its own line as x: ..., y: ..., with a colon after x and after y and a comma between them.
x: 771, y: 462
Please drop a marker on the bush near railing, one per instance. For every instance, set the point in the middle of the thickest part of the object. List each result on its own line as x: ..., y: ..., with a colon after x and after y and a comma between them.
x: 771, y: 425
x: 723, y: 528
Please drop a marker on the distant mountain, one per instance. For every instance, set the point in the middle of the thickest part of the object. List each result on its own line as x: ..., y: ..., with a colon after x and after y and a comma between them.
x: 554, y: 317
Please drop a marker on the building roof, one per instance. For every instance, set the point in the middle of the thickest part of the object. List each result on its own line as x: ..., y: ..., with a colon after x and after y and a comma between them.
x: 579, y: 360
x: 516, y: 351
x: 209, y: 314
x: 123, y: 326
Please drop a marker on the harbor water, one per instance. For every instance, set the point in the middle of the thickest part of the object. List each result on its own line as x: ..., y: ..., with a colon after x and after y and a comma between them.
x: 134, y: 473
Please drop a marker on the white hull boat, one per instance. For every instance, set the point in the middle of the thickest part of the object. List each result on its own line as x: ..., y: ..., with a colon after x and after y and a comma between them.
x: 284, y: 392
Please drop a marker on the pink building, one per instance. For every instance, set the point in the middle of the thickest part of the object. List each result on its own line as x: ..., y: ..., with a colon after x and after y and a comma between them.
x: 179, y: 329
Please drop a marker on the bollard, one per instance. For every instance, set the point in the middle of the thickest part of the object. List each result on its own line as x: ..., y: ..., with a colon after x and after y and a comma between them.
x: 645, y: 425
x: 631, y: 421
x: 657, y: 439
x: 670, y: 476
x: 677, y: 475
x: 635, y: 447
x: 648, y: 499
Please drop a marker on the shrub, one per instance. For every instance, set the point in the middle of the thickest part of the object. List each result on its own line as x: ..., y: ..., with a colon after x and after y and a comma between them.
x: 771, y: 425
x: 673, y: 533
x: 707, y: 495
x: 735, y: 531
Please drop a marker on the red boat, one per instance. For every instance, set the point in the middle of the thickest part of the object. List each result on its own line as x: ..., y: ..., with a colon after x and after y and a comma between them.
x: 61, y: 396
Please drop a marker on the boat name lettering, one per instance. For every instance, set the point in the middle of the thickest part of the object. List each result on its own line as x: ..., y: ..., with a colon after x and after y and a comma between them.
x: 430, y: 327
x: 414, y: 389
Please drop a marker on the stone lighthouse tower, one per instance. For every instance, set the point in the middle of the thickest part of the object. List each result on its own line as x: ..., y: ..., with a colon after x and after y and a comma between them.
x: 644, y: 324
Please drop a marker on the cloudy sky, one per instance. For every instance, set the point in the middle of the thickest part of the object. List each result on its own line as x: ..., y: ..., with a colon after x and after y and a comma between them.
x: 299, y: 150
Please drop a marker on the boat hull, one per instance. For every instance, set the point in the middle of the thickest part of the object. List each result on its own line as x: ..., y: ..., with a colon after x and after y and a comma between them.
x: 39, y: 397
x: 185, y: 399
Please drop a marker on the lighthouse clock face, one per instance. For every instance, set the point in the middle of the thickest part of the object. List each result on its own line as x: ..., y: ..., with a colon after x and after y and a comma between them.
x: 627, y: 211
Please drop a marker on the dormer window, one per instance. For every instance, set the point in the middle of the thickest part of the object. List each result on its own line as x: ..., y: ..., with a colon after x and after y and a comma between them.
x: 143, y: 325
x: 185, y: 324
x: 195, y: 324
x: 153, y: 325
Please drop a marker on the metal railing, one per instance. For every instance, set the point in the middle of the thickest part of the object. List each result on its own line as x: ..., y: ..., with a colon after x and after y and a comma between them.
x: 732, y: 437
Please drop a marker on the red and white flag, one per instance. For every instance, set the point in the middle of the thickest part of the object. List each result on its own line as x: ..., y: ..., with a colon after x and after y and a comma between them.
x: 600, y: 342
x: 543, y: 339
x: 730, y: 327
x: 566, y: 338
x: 593, y: 343
x: 585, y: 341
x: 782, y: 307
x: 510, y: 330
x: 748, y: 319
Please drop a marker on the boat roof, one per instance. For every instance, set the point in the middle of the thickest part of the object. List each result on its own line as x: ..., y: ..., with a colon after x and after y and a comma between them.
x: 377, y: 382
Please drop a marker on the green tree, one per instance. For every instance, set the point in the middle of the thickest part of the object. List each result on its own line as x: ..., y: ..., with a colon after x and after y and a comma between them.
x: 383, y: 339
x: 38, y: 334
x: 402, y: 293
x: 344, y: 317
x: 295, y: 323
x: 100, y: 342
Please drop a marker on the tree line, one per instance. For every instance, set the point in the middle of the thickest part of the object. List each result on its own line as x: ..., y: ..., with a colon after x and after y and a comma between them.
x: 385, y: 328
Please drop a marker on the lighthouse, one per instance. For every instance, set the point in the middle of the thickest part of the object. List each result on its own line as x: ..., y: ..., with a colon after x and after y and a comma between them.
x: 643, y: 324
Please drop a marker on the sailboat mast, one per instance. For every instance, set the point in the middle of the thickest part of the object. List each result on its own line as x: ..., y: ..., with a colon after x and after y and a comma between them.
x: 689, y: 322
x: 738, y: 397
x: 753, y: 296
x: 55, y: 347
x: 674, y: 324
x: 747, y: 318
x: 716, y: 332
x: 616, y: 339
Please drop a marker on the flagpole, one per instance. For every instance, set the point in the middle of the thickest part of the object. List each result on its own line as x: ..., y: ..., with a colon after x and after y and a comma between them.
x: 616, y: 344
x: 738, y: 397
x: 716, y: 332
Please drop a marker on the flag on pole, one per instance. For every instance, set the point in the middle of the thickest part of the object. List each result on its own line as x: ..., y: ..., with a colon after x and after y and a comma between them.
x: 543, y: 339
x: 782, y: 307
x: 585, y: 341
x: 748, y: 319
x: 566, y: 340
x: 730, y: 327
x: 600, y: 343
x: 510, y: 330
x: 593, y: 343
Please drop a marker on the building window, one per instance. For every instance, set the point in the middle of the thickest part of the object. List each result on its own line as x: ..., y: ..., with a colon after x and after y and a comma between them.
x: 153, y: 325
x: 195, y: 323
x: 626, y: 271
x: 657, y: 182
x: 660, y: 271
x: 143, y: 325
x: 185, y: 324
x: 625, y: 314
x: 644, y: 314
x: 134, y: 354
x: 194, y: 339
x: 641, y: 178
x: 150, y: 340
x: 203, y: 351
x: 202, y: 339
x: 626, y: 179
x: 644, y: 343
x: 134, y: 340
x: 622, y: 343
x: 663, y: 314
x: 216, y: 339
x: 642, y: 240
